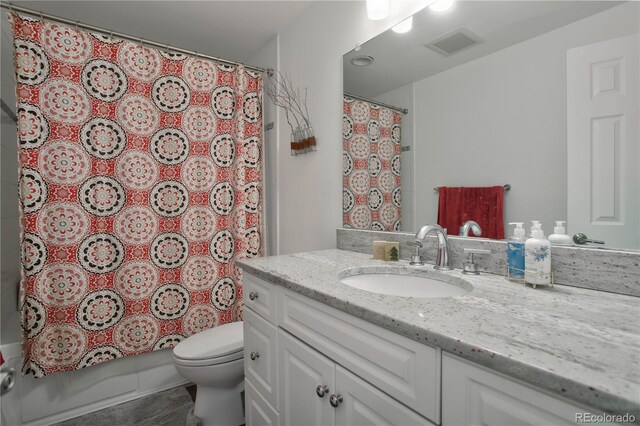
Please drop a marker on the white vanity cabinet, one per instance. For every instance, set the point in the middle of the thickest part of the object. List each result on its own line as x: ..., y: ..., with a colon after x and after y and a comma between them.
x: 309, y: 364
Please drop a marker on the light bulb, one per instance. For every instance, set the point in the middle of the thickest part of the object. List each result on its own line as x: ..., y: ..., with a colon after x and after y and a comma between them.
x: 404, y: 26
x: 441, y: 5
x: 377, y: 9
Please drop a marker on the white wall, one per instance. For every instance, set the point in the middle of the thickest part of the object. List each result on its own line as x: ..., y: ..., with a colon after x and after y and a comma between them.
x: 310, y: 185
x: 502, y: 119
x: 402, y: 97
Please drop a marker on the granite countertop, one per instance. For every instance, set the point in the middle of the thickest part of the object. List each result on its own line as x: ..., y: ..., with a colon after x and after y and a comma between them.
x: 582, y: 344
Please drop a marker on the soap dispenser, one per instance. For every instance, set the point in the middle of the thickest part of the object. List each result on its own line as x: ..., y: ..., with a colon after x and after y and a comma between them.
x: 559, y: 235
x: 537, y: 260
x: 515, y: 252
x: 535, y: 224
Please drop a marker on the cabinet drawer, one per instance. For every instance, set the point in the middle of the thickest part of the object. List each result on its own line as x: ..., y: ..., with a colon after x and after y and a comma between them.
x: 260, y: 340
x: 258, y: 412
x: 473, y: 395
x: 405, y: 369
x: 260, y: 296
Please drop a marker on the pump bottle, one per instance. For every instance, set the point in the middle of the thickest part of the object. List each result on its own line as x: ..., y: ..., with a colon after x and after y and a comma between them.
x: 537, y: 263
x: 535, y: 224
x: 515, y: 253
x: 559, y: 235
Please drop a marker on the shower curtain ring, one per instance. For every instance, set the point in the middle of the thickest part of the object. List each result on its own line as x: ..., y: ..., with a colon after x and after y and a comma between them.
x: 77, y: 29
x: 111, y: 35
x: 142, y: 41
x: 10, y: 7
x: 167, y: 48
x: 197, y: 54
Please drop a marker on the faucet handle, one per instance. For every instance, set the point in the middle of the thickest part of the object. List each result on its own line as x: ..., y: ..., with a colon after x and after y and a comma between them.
x: 470, y: 267
x: 416, y: 259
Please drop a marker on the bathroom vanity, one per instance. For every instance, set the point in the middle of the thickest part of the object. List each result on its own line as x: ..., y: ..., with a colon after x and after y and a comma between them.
x: 320, y: 352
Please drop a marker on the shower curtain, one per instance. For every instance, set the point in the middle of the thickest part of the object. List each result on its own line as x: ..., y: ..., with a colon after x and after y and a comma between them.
x: 371, y: 166
x: 140, y: 184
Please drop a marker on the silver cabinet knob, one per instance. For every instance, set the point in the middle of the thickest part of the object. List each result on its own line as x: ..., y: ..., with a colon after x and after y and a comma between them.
x: 253, y: 296
x: 322, y: 390
x: 254, y: 356
x: 335, y: 400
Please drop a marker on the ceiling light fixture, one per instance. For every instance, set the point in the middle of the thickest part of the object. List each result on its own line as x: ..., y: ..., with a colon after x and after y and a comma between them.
x: 377, y: 9
x: 362, y: 61
x: 441, y: 5
x: 404, y: 26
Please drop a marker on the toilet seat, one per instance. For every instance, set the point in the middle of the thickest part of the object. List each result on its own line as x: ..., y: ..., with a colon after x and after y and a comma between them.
x: 214, y: 346
x: 208, y: 361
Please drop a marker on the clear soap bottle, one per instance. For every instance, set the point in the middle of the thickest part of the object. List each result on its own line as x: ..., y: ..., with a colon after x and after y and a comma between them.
x: 515, y: 253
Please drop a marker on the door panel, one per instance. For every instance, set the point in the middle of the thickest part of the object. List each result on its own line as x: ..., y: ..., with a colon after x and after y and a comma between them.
x: 365, y: 405
x: 603, y: 138
x: 302, y: 369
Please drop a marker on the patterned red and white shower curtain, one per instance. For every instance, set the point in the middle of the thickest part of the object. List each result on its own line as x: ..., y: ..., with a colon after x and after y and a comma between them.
x: 140, y: 184
x: 371, y: 196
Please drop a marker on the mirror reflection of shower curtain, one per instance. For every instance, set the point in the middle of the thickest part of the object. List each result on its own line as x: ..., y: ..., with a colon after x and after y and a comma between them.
x: 371, y: 195
x: 140, y: 184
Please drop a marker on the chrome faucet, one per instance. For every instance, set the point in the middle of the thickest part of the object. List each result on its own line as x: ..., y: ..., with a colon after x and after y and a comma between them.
x: 470, y: 225
x: 442, y: 257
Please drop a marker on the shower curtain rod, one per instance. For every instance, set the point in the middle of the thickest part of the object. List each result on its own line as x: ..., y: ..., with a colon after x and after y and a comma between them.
x: 395, y: 108
x: 110, y: 33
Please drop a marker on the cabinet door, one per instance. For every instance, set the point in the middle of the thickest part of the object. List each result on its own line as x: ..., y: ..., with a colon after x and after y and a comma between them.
x: 302, y: 369
x: 258, y: 412
x: 472, y: 395
x: 260, y: 364
x: 362, y: 404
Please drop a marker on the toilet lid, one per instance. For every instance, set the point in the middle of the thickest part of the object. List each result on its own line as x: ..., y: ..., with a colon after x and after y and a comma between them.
x: 212, y: 343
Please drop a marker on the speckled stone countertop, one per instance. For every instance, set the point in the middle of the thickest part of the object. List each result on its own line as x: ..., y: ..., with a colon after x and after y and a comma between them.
x: 582, y: 344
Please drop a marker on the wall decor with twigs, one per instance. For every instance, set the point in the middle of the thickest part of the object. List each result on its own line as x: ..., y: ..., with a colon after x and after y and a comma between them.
x: 283, y: 94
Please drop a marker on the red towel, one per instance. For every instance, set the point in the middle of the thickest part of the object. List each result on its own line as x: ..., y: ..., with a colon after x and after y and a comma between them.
x: 485, y: 205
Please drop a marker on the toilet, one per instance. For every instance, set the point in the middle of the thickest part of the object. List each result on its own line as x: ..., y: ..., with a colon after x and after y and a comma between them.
x: 214, y: 361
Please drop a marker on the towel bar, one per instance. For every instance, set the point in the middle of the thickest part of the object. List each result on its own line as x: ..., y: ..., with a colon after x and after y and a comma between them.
x: 506, y: 188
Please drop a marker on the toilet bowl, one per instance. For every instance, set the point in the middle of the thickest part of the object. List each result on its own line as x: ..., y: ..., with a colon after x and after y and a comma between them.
x: 214, y: 361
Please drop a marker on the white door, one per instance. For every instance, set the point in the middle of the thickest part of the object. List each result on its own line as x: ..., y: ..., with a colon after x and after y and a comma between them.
x: 302, y: 370
x: 364, y: 405
x: 603, y: 138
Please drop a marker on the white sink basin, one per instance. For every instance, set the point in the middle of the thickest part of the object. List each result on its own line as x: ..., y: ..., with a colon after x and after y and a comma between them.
x: 407, y: 284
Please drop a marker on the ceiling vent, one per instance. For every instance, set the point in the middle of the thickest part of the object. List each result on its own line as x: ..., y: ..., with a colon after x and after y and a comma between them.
x: 454, y: 41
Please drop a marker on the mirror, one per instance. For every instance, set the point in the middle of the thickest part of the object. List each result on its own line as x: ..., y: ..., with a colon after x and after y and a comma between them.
x: 497, y: 93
